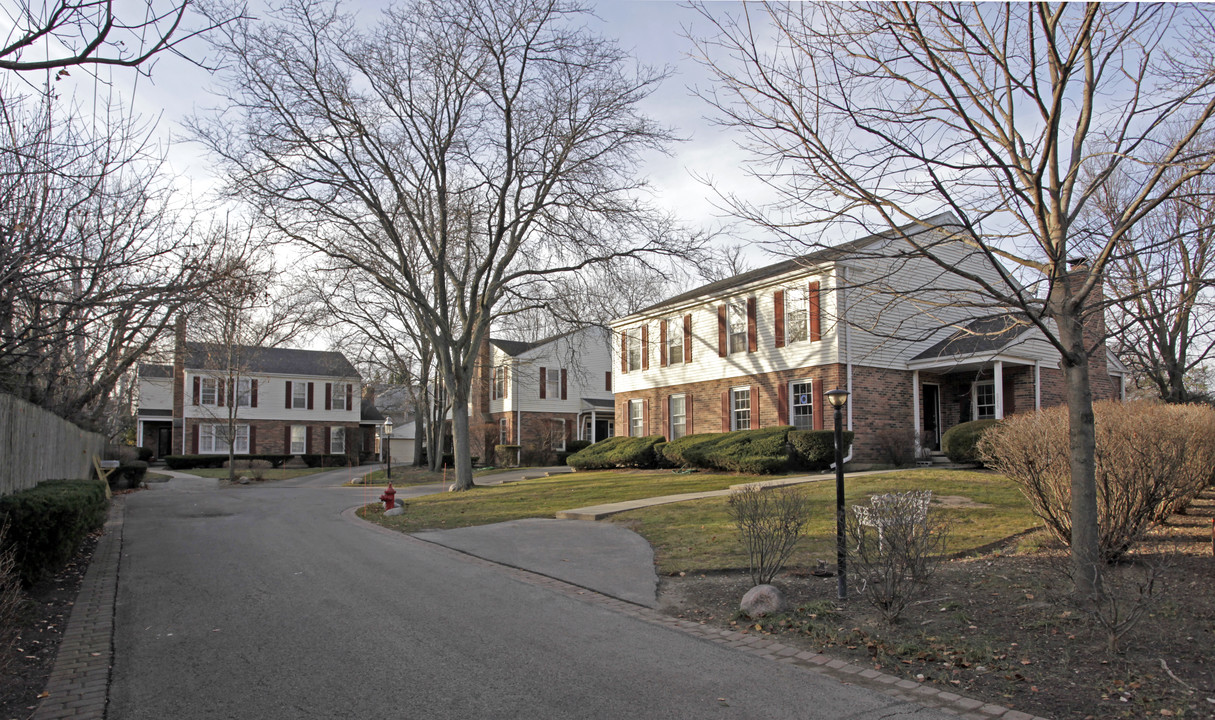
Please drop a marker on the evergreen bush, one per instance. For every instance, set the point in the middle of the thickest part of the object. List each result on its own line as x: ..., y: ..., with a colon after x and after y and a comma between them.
x: 960, y: 442
x: 616, y: 452
x: 815, y: 449
x: 47, y: 523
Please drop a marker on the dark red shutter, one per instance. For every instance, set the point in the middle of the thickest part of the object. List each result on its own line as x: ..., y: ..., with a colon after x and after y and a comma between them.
x: 328, y: 439
x: 252, y: 439
x: 543, y: 378
x: 563, y: 384
x: 607, y: 381
x: 253, y: 393
x: 219, y: 393
x: 645, y: 347
x: 288, y: 397
x: 662, y: 343
x: 624, y: 351
x: 819, y: 407
x: 722, y: 348
x: 752, y: 336
x: 311, y: 388
x: 645, y: 418
x: 196, y: 389
x: 328, y: 398
x: 688, y: 427
x: 755, y: 423
x: 349, y: 396
x: 782, y: 404
x: 725, y: 411
x: 194, y: 440
x: 816, y: 327
x: 687, y: 338
x: 778, y: 313
x: 287, y: 440
x: 308, y: 439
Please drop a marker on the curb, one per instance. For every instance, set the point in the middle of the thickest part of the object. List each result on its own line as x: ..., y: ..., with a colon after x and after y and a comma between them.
x: 79, y: 684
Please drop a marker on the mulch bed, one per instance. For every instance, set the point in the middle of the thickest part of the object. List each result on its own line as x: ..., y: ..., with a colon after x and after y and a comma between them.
x: 1002, y: 628
x: 26, y: 665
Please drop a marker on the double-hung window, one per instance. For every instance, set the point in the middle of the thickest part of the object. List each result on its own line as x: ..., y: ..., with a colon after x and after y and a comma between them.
x: 557, y: 434
x: 740, y: 409
x: 244, y: 392
x: 985, y: 400
x: 299, y: 396
x: 499, y: 390
x: 337, y: 439
x: 213, y: 438
x: 503, y: 432
x: 337, y: 398
x: 209, y: 391
x: 674, y: 341
x: 678, y: 412
x: 636, y: 418
x: 796, y: 315
x: 299, y: 439
x: 632, y: 341
x: 801, y: 404
x: 738, y: 325
x: 552, y: 379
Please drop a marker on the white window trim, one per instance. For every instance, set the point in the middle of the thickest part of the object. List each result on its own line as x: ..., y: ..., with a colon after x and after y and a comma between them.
x: 671, y: 415
x: 337, y: 396
x: 632, y: 341
x: 792, y: 404
x: 215, y: 432
x: 736, y: 306
x: 560, y: 433
x: 552, y: 381
x: 303, y: 441
x: 214, y: 389
x: 974, y: 399
x: 792, y: 296
x: 299, y: 395
x: 244, y: 392
x: 335, y: 433
x: 675, y: 330
x: 734, y: 424
x: 640, y: 417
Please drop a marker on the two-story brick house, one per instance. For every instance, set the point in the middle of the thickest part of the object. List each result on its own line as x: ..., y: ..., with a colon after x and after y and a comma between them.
x: 284, y: 401
x: 905, y: 337
x: 542, y: 394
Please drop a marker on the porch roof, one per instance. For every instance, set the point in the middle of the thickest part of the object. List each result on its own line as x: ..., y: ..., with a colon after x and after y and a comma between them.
x: 980, y: 341
x: 589, y: 404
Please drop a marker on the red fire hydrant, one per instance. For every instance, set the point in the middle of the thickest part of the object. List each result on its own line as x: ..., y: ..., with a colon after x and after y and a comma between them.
x: 389, y: 497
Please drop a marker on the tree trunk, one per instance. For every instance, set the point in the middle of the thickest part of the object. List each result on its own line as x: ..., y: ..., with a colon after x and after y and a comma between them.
x: 1085, y: 552
x: 460, y: 438
x: 419, y: 432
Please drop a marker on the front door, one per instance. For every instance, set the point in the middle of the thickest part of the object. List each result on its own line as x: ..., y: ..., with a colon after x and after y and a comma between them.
x: 164, y: 441
x: 930, y: 420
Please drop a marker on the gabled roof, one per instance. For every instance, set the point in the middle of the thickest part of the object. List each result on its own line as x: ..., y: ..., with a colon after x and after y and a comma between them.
x: 285, y: 361
x: 515, y: 348
x: 818, y: 257
x: 155, y: 371
x: 980, y: 336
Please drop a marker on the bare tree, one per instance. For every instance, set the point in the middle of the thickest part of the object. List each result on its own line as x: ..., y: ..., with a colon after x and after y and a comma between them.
x: 455, y: 153
x: 69, y: 33
x: 1012, y: 117
x: 95, y: 260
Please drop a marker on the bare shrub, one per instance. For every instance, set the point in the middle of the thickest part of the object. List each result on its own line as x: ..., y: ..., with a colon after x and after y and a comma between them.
x: 1125, y: 593
x: 1152, y: 460
x: 894, y: 553
x: 769, y: 522
x: 895, y: 447
x: 11, y: 598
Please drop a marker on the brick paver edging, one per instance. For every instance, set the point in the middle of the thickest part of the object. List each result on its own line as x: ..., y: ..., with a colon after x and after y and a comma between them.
x: 79, y: 684
x: 907, y: 690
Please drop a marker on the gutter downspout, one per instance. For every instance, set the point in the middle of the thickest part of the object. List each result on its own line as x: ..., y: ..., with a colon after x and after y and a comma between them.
x: 843, y: 310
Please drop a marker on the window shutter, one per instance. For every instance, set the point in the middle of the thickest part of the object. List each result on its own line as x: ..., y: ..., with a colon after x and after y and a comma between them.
x: 721, y: 330
x: 645, y: 418
x: 687, y: 338
x: 607, y: 381
x: 308, y: 439
x: 645, y: 347
x: 624, y: 351
x: 662, y: 343
x: 219, y: 393
x: 778, y: 313
x: 194, y: 438
x: 755, y: 422
x: 563, y: 384
x: 688, y: 427
x: 288, y: 397
x: 1010, y: 405
x: 252, y: 439
x: 286, y: 439
x: 543, y: 378
x: 505, y: 382
x: 725, y: 411
x: 196, y: 389
x: 349, y: 396
x: 752, y: 340
x: 816, y: 327
x: 232, y: 392
x: 311, y: 388
x: 782, y: 404
x: 252, y: 395
x: 328, y: 398
x: 328, y: 431
x: 819, y: 407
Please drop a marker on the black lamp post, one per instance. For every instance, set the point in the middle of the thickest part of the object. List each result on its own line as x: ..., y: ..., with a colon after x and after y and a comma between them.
x: 838, y: 399
x: 387, y: 435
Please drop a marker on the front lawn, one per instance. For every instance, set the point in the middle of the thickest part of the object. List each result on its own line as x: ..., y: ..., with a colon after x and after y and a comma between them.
x: 698, y: 536
x: 543, y: 497
x: 410, y: 475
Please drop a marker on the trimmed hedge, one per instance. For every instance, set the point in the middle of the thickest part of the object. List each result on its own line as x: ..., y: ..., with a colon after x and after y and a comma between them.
x: 960, y: 442
x: 815, y: 449
x: 47, y: 523
x: 756, y: 452
x: 314, y: 460
x: 186, y: 462
x: 128, y: 474
x: 620, y: 451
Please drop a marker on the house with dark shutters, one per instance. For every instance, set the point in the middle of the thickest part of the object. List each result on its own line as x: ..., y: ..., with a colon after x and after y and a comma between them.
x: 909, y: 340
x: 285, y: 401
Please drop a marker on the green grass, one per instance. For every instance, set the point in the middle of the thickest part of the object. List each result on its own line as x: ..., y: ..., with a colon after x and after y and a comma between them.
x: 698, y: 536
x: 417, y: 476
x: 544, y: 497
x: 266, y: 473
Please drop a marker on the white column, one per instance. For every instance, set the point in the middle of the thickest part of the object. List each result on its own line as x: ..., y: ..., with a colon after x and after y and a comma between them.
x: 593, y: 424
x: 139, y: 433
x: 1037, y: 385
x: 915, y: 408
x: 999, y: 376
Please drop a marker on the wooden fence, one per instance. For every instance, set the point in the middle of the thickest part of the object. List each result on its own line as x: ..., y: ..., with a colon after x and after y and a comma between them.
x: 36, y: 445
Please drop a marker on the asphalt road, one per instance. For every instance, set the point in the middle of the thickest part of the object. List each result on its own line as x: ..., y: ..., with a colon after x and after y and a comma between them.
x: 265, y: 602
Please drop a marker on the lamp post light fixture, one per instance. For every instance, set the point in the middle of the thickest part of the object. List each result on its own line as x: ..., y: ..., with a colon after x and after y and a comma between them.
x: 838, y: 399
x: 386, y: 437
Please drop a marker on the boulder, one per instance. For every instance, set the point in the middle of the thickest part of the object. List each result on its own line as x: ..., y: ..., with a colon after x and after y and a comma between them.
x: 243, y: 480
x: 398, y: 510
x: 763, y: 600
